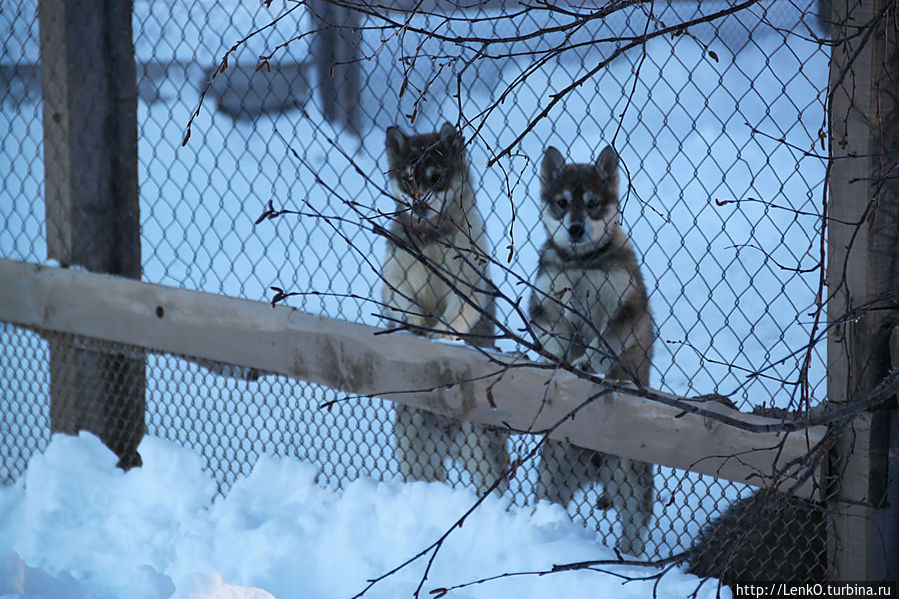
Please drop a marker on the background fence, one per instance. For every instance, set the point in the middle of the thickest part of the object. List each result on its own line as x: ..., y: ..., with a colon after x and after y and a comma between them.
x: 721, y: 197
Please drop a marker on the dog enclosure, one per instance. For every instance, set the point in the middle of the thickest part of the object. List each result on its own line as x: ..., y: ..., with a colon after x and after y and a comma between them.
x: 764, y: 229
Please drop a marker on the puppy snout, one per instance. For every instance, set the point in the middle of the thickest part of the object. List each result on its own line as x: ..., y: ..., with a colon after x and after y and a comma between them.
x: 576, y: 231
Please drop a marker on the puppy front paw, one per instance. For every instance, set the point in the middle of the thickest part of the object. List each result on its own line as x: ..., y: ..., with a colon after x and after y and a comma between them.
x: 450, y: 338
x: 582, y: 363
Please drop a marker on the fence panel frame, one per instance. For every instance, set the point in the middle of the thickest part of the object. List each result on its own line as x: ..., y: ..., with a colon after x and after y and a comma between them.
x: 862, y: 272
x: 863, y: 461
x: 89, y: 92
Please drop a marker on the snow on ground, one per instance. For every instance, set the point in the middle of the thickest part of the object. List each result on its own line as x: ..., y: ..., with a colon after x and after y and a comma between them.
x: 76, y: 526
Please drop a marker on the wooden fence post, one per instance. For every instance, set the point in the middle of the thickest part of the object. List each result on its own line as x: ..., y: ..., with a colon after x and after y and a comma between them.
x: 337, y: 62
x: 863, y: 278
x: 89, y: 88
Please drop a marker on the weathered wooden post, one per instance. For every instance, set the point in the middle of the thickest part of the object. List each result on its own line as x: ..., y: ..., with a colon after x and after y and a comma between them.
x: 337, y: 55
x: 863, y: 279
x: 89, y: 88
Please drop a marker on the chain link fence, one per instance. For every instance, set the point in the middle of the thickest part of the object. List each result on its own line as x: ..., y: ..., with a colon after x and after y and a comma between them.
x: 720, y: 198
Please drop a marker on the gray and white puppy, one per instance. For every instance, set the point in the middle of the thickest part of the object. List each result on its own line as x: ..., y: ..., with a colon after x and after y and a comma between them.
x: 437, y: 255
x: 589, y: 307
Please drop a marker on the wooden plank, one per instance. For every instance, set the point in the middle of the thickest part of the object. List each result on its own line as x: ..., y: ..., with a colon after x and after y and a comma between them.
x: 89, y: 89
x: 863, y: 273
x: 444, y: 378
x: 851, y: 522
x: 888, y: 519
x: 883, y: 282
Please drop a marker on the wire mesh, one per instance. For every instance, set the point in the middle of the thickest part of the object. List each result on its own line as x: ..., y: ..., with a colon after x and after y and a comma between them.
x: 710, y: 129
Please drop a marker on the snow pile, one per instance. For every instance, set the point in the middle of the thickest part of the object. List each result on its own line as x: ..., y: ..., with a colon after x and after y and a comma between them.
x: 75, y: 526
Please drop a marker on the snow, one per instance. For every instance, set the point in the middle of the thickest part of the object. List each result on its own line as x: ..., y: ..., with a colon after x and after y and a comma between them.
x: 723, y: 309
x: 76, y: 526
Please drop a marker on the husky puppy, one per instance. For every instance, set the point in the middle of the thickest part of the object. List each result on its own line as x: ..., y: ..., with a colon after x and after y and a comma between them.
x: 589, y: 307
x: 436, y: 257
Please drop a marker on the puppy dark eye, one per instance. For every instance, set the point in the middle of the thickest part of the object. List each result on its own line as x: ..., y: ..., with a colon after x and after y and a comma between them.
x: 561, y: 203
x: 592, y: 203
x: 435, y: 179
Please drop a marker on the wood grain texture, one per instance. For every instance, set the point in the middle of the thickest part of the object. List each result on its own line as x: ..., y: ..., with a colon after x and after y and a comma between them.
x: 89, y: 93
x: 863, y: 278
x: 444, y: 378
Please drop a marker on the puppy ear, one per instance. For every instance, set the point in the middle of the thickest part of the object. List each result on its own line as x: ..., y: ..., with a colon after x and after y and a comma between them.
x: 452, y: 137
x: 396, y: 143
x: 607, y: 164
x: 552, y: 164
x: 448, y: 131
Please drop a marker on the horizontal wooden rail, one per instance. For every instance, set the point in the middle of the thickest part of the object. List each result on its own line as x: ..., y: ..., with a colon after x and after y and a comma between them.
x: 398, y: 367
